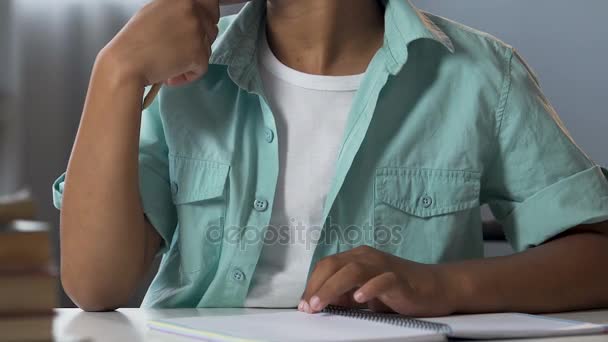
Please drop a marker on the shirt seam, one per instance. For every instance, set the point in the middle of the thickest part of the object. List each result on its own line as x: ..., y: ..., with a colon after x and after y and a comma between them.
x: 506, y: 91
x: 218, y: 164
x: 437, y: 32
x: 499, y: 113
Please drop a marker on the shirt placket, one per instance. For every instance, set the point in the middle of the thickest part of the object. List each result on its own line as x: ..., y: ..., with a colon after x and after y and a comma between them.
x: 246, y: 254
x: 358, y: 123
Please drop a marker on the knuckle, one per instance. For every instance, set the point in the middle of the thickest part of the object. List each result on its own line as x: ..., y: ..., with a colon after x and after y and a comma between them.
x: 355, y: 267
x: 327, y: 263
x: 321, y: 264
x: 390, y: 276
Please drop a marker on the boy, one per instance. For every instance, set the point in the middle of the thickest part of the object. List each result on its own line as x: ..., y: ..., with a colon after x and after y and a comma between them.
x: 325, y: 151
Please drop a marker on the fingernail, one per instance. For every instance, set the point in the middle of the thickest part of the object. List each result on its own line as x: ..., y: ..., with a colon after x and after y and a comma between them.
x: 315, y: 303
x: 301, y: 305
x: 359, y: 297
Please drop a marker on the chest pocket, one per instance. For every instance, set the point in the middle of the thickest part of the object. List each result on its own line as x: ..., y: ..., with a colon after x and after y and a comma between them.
x: 200, y: 195
x: 416, y: 210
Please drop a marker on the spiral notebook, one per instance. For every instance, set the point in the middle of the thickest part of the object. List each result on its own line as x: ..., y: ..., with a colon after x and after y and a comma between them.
x: 340, y: 324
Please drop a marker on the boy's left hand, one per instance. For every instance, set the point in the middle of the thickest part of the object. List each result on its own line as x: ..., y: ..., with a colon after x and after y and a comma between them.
x: 366, y: 277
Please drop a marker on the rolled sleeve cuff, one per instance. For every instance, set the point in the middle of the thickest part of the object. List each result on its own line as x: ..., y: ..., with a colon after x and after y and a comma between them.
x: 58, y: 191
x: 156, y: 202
x: 158, y: 205
x: 578, y: 199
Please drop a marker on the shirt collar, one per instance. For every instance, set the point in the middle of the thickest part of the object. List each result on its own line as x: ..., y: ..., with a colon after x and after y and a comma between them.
x: 405, y: 24
x: 237, y: 46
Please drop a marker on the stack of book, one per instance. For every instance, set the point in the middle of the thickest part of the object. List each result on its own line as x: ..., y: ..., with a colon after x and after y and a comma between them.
x: 28, y: 280
x: 18, y: 206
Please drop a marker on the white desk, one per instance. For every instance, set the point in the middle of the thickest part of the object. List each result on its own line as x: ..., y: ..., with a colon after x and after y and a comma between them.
x: 130, y: 324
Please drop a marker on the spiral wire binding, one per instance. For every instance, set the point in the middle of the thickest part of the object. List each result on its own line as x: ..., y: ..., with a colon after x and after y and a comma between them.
x: 387, y: 318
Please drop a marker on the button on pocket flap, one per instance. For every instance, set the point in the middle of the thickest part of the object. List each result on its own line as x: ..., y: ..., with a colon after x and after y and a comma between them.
x: 427, y: 192
x: 195, y: 180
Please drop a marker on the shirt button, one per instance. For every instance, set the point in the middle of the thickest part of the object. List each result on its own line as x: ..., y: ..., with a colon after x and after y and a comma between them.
x: 427, y: 201
x: 174, y: 188
x: 269, y: 135
x: 238, y: 275
x: 260, y: 205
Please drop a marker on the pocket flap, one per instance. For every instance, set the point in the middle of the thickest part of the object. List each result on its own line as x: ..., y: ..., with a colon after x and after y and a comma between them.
x: 427, y: 192
x: 195, y: 180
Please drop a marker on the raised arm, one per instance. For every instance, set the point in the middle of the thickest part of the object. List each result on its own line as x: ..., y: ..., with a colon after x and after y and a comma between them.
x: 107, y: 245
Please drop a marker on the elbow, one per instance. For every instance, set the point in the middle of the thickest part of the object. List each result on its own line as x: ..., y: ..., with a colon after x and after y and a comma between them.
x: 92, y: 296
x: 89, y: 274
x: 95, y: 306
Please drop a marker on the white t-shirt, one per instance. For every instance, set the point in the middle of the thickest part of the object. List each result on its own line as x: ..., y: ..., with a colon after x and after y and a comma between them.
x: 310, y: 113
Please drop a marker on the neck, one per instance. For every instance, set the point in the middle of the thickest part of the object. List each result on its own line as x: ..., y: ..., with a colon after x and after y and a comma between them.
x: 325, y: 37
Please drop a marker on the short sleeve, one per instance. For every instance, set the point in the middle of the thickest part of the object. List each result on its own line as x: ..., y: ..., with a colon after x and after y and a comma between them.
x: 154, y: 181
x: 58, y: 191
x: 155, y: 189
x: 540, y: 183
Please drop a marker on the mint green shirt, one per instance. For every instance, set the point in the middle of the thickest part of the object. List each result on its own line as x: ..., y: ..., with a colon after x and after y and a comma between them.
x: 447, y: 119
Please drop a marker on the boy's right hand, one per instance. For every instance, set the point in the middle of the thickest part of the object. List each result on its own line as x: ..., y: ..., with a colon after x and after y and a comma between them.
x: 166, y: 41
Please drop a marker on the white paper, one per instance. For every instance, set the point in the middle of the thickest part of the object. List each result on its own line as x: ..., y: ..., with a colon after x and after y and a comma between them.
x: 514, y: 325
x: 290, y: 326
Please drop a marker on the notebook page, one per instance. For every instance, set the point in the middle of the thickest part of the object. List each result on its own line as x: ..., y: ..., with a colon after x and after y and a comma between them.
x: 514, y: 325
x: 289, y: 326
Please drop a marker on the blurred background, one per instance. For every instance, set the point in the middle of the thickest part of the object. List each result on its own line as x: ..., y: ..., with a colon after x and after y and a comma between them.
x: 47, y: 49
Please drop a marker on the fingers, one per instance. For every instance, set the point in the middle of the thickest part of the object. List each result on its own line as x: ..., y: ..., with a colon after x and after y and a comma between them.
x: 199, y: 50
x: 177, y: 81
x: 347, y: 301
x: 380, y: 281
x: 376, y: 306
x: 352, y: 275
x: 393, y: 292
x: 324, y: 269
x: 197, y: 69
x: 183, y: 79
x: 199, y: 66
x: 201, y: 60
x: 209, y: 17
x: 212, y: 8
x: 376, y: 287
x: 329, y: 266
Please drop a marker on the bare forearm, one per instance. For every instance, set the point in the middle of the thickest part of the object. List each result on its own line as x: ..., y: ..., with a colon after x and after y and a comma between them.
x: 103, y: 230
x: 106, y: 243
x: 563, y: 274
